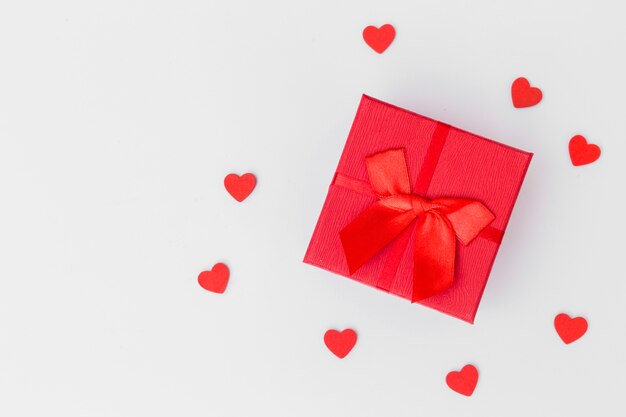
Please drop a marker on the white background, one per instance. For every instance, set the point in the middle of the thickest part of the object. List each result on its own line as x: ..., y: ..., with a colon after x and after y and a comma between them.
x: 119, y: 121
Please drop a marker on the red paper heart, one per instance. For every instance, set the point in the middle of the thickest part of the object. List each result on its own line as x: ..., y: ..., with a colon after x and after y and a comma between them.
x: 340, y: 343
x: 379, y: 39
x: 240, y: 187
x: 570, y: 329
x: 216, y: 279
x: 523, y: 94
x: 463, y: 381
x: 581, y: 152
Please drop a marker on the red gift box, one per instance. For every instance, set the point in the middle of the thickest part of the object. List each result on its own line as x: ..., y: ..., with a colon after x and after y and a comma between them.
x: 417, y: 208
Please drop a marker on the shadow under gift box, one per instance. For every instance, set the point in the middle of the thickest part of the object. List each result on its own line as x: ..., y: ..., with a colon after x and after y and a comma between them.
x: 442, y: 161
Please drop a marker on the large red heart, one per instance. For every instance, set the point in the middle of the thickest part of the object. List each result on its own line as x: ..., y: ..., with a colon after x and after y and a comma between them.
x: 216, y: 279
x: 523, y: 94
x: 570, y: 329
x: 581, y: 152
x: 379, y: 39
x: 340, y: 343
x: 463, y: 381
x: 240, y: 187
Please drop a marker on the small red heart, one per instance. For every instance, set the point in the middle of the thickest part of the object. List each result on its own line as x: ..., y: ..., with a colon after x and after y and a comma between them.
x: 340, y: 343
x: 379, y: 39
x: 240, y: 187
x: 216, y: 279
x: 523, y: 94
x: 570, y: 329
x: 463, y: 381
x: 581, y: 152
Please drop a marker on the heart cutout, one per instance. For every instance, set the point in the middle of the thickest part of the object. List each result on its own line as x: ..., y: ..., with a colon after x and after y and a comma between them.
x: 523, y: 94
x: 463, y: 381
x: 570, y: 329
x: 240, y: 187
x: 340, y: 343
x: 379, y: 39
x: 216, y: 279
x: 581, y: 152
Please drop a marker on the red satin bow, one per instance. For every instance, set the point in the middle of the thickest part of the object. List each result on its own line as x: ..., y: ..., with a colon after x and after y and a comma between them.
x: 440, y: 222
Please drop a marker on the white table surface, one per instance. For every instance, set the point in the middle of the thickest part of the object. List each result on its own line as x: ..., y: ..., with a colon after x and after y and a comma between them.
x: 119, y: 121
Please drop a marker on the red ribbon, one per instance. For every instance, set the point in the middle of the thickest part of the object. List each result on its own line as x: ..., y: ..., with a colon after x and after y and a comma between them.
x: 441, y: 222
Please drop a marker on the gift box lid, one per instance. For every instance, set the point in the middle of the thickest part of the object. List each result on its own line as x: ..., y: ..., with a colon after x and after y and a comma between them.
x: 442, y: 161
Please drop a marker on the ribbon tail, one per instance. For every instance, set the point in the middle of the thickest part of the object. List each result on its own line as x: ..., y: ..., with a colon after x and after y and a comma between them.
x: 371, y: 231
x: 434, y: 258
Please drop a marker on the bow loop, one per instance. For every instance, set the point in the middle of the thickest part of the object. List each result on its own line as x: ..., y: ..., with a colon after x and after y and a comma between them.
x: 388, y: 173
x: 459, y: 210
x: 441, y: 222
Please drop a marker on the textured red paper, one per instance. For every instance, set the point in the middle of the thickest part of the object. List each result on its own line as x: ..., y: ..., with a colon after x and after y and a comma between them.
x: 469, y: 167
